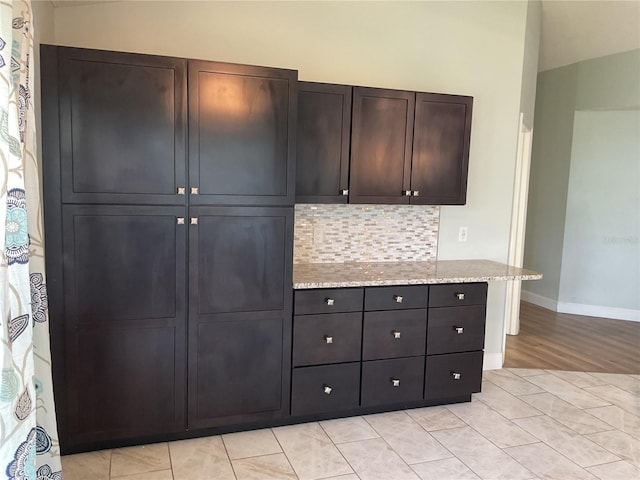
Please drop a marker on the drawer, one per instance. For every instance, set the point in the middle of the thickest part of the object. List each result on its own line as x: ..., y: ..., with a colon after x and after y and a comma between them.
x: 392, y: 334
x: 458, y: 294
x: 455, y: 329
x: 387, y: 382
x: 329, y: 338
x: 453, y: 375
x: 327, y: 388
x: 328, y: 300
x: 396, y: 297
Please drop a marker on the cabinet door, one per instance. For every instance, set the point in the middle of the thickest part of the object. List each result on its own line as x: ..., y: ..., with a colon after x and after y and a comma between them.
x: 124, y: 301
x: 242, y: 123
x: 324, y: 129
x: 381, y: 136
x: 441, y: 149
x: 240, y: 289
x: 122, y: 127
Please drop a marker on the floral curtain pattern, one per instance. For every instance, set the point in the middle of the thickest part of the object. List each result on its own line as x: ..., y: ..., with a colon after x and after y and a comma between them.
x: 29, y: 448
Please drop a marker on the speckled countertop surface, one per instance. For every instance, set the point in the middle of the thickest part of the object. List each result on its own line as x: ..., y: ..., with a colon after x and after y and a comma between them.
x: 360, y: 274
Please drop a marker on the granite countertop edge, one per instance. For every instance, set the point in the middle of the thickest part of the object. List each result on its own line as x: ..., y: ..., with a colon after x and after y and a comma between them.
x: 367, y: 274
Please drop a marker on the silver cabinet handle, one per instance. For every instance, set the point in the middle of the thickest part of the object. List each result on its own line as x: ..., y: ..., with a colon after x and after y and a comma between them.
x: 395, y: 382
x: 329, y: 301
x: 460, y: 296
x: 327, y: 389
x: 344, y: 192
x: 416, y: 193
x: 398, y: 298
x: 396, y: 334
x: 328, y: 339
x: 456, y: 375
x: 194, y: 220
x: 194, y: 190
x: 406, y: 193
x: 180, y: 220
x: 181, y: 190
x: 459, y: 330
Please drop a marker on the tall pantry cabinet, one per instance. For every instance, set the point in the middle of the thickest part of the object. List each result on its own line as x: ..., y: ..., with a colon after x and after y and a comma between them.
x: 168, y: 190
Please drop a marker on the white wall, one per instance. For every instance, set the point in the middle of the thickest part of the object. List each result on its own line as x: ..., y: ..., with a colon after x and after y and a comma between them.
x: 601, y: 254
x: 472, y: 48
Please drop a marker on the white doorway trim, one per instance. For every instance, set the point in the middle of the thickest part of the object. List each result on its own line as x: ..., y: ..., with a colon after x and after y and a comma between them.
x: 518, y: 224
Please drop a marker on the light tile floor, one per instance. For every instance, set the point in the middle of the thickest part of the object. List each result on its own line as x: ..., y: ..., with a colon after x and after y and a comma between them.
x: 525, y: 424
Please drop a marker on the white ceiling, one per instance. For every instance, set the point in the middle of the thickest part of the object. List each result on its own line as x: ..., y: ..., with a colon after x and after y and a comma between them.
x: 576, y: 30
x: 572, y: 30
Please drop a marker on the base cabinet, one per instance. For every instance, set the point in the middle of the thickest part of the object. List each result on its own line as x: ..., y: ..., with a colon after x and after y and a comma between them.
x: 377, y: 348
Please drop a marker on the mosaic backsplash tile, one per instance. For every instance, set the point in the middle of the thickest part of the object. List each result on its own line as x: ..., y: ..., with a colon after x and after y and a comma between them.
x: 365, y: 233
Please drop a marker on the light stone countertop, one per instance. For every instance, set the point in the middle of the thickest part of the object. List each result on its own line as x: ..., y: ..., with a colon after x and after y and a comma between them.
x: 361, y: 274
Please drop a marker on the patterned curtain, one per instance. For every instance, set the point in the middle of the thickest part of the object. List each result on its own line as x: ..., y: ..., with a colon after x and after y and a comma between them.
x: 29, y: 447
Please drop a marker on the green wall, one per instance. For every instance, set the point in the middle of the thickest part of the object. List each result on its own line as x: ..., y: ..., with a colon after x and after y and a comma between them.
x: 607, y: 83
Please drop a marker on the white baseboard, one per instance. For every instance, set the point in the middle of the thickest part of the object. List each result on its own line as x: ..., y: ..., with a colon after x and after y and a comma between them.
x: 581, y: 308
x: 544, y: 302
x: 492, y: 361
x: 599, y: 311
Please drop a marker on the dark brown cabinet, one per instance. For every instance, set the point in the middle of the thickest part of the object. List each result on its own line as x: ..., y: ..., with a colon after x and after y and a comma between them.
x: 130, y: 242
x: 324, y: 129
x: 440, y: 158
x: 242, y: 122
x: 122, y: 126
x: 240, y: 263
x: 415, y: 345
x: 382, y: 129
x: 124, y: 323
x: 406, y: 147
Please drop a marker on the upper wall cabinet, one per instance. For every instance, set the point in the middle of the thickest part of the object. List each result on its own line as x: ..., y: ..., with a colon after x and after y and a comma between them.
x: 324, y: 128
x: 406, y: 147
x: 440, y: 157
x: 122, y: 124
x: 242, y: 123
x: 382, y: 129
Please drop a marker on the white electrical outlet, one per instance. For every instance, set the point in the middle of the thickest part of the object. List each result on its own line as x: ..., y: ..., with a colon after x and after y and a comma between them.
x: 462, y: 234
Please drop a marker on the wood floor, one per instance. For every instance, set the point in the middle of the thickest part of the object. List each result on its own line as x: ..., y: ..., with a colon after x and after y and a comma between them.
x: 560, y: 341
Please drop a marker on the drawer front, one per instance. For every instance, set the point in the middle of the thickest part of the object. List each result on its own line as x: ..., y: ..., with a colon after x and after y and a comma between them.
x: 396, y: 297
x: 455, y: 329
x: 387, y: 382
x: 328, y: 300
x: 327, y: 388
x: 458, y: 294
x: 330, y: 338
x: 393, y: 334
x: 453, y: 375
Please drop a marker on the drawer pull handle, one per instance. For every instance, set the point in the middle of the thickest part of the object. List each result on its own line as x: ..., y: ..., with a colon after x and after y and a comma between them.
x: 459, y: 330
x: 180, y: 220
x: 194, y: 191
x: 344, y: 192
x: 181, y: 190
x: 456, y: 375
x: 328, y: 339
x: 406, y: 193
x: 460, y: 296
x: 194, y: 221
x: 395, y: 382
x: 416, y: 193
x: 398, y: 298
x: 327, y: 389
x: 329, y: 301
x: 396, y: 334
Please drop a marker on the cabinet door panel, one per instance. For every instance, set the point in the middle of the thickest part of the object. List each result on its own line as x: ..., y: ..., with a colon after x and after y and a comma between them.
x: 122, y: 127
x: 241, y: 134
x: 324, y: 129
x: 238, y: 371
x: 240, y: 259
x: 124, y: 275
x: 381, y: 145
x: 441, y: 149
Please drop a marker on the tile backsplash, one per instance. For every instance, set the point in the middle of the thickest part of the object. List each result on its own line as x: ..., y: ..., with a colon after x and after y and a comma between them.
x: 365, y: 233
